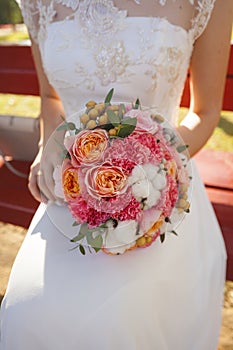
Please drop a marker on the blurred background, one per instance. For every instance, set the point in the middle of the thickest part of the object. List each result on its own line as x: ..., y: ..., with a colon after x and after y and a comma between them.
x: 19, y: 133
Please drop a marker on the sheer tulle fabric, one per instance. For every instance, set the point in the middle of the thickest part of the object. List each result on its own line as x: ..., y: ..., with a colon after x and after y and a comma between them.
x: 194, y: 15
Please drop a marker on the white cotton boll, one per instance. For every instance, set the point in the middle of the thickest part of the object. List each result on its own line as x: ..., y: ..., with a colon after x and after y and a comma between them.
x: 122, y: 237
x: 57, y: 176
x: 138, y: 174
x: 150, y: 171
x: 153, y: 197
x: 141, y: 189
x: 159, y: 182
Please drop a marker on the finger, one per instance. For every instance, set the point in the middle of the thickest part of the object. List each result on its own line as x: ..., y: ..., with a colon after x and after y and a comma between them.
x: 46, y: 185
x: 34, y: 188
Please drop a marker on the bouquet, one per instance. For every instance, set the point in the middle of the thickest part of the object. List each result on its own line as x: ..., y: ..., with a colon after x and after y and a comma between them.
x: 124, y: 176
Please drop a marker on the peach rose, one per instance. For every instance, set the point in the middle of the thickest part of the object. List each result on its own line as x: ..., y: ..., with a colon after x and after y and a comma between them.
x: 105, y: 181
x: 87, y: 147
x: 70, y: 183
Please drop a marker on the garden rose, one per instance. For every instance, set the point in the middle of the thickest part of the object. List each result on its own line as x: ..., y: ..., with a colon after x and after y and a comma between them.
x: 87, y: 147
x: 105, y: 181
x: 70, y: 182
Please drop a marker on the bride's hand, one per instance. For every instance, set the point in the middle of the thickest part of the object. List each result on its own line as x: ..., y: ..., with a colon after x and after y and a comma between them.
x: 40, y: 181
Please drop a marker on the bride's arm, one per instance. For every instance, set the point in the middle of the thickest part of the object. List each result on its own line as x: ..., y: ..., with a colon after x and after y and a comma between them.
x: 50, y: 117
x: 208, y: 75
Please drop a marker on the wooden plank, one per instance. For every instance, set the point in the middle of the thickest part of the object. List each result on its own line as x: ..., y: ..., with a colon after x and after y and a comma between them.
x: 228, y: 93
x: 17, y: 71
x: 17, y: 206
x: 216, y: 168
x: 222, y: 201
x: 22, y: 82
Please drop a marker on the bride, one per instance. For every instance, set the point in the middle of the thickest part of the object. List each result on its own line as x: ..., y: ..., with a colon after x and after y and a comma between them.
x: 168, y: 296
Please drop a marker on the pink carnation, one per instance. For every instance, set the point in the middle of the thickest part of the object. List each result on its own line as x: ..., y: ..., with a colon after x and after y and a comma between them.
x: 129, y: 149
x: 108, y: 205
x: 82, y: 212
x: 125, y: 164
x: 150, y: 142
x: 131, y: 212
x: 169, y: 197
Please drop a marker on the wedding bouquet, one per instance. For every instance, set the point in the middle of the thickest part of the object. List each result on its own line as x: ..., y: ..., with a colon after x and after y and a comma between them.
x: 124, y: 176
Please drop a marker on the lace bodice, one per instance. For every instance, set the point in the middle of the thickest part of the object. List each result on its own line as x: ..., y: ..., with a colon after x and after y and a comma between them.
x: 90, y: 46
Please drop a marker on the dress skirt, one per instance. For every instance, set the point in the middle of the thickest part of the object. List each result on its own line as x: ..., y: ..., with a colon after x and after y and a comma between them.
x: 165, y: 297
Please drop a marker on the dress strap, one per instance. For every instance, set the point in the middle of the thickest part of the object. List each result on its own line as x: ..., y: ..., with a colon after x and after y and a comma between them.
x: 37, y: 14
x: 203, y: 12
x: 30, y: 12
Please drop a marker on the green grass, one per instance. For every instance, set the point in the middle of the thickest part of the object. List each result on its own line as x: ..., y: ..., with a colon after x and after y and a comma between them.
x: 29, y: 106
x: 14, y: 37
x: 19, y: 105
x: 222, y: 138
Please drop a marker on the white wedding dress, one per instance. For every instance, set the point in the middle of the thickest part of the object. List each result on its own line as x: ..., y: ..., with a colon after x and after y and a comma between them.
x: 167, y: 296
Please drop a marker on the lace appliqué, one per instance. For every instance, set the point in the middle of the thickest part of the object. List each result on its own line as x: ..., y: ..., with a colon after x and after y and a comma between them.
x: 47, y: 14
x: 30, y: 11
x: 73, y: 4
x: 112, y: 63
x: 100, y: 17
x: 200, y: 21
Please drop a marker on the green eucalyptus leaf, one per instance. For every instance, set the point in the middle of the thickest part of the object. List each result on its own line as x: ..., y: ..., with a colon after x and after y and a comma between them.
x: 109, y: 96
x: 82, y: 250
x: 75, y: 223
x: 79, y: 237
x: 137, y: 104
x: 129, y: 121
x: 127, y: 127
x: 162, y: 237
x: 84, y: 229
x: 97, y: 243
x: 62, y: 127
x: 96, y: 249
x: 125, y: 131
x: 65, y: 154
x: 66, y: 126
x: 181, y: 148
x: 174, y: 233
x: 113, y: 118
x: 121, y: 111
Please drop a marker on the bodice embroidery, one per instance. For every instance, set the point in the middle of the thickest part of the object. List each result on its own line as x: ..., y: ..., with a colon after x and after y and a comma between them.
x: 94, y: 43
x: 73, y: 4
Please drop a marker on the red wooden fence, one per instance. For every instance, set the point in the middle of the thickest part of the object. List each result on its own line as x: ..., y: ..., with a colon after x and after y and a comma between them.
x: 18, y: 76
